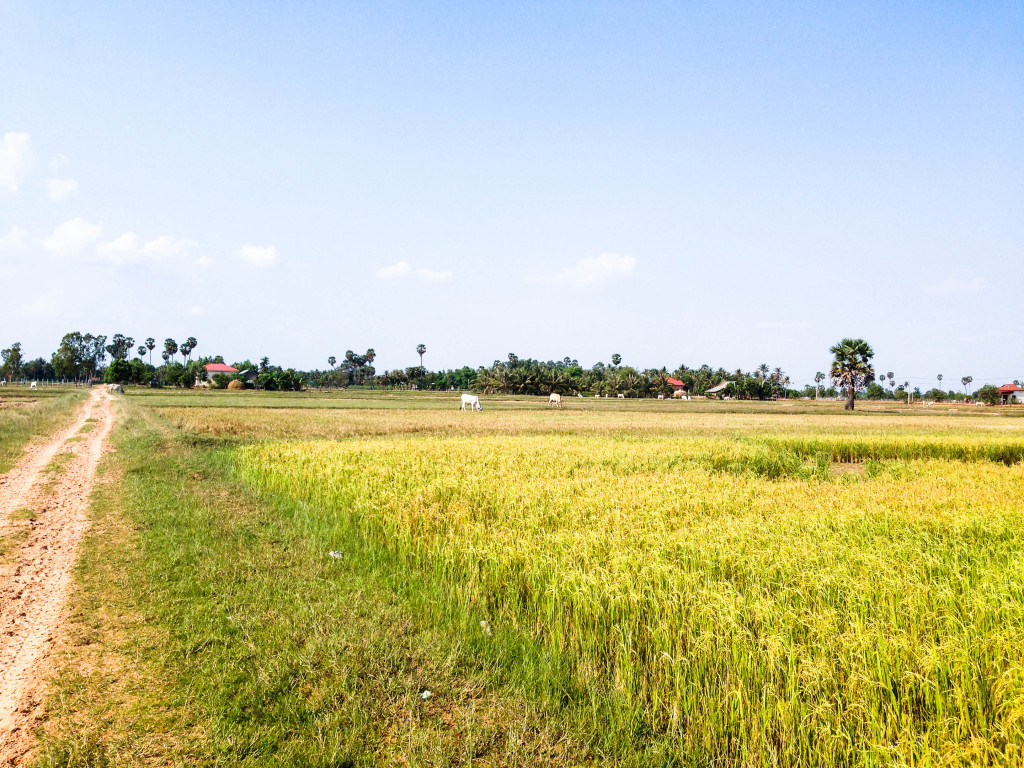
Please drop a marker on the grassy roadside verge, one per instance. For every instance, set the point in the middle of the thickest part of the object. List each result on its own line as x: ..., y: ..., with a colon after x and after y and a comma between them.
x: 205, y: 631
x: 20, y: 423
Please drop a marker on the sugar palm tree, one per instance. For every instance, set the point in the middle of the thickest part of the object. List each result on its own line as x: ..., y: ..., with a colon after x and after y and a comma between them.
x: 150, y: 345
x: 939, y: 377
x: 170, y: 347
x: 966, y: 381
x: 851, y: 367
x: 421, y: 350
x: 141, y: 351
x: 332, y: 360
x: 616, y: 359
x: 818, y: 378
x: 191, y: 343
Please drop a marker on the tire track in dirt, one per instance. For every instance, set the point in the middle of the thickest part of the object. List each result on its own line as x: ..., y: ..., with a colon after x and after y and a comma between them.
x: 35, y: 580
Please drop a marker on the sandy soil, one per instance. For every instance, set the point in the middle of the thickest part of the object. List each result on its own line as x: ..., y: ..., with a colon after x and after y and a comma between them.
x: 35, y: 575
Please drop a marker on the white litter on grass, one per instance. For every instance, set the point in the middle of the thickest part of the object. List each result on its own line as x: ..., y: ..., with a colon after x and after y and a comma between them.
x: 336, y: 554
x: 486, y: 628
x: 426, y: 695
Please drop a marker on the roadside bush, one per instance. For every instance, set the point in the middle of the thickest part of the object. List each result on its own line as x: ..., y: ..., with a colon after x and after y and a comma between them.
x: 219, y: 381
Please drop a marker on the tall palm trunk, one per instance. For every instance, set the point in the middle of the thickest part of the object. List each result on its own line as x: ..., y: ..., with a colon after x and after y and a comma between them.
x: 849, y: 398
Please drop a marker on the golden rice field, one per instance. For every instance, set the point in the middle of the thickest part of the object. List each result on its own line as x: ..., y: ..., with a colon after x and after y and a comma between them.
x: 755, y: 588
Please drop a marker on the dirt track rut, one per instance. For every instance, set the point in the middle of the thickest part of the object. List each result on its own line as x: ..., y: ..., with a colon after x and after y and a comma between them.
x: 36, y: 574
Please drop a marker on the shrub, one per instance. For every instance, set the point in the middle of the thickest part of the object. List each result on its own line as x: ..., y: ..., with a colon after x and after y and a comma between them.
x: 219, y: 381
x: 989, y: 395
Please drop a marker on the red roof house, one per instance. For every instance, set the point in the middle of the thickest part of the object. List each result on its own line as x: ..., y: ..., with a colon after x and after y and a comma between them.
x: 1011, y: 394
x: 219, y: 368
x: 677, y: 385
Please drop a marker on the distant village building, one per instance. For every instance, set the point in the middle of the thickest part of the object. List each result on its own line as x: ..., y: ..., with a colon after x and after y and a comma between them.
x: 214, y: 368
x: 718, y: 390
x: 1011, y: 394
x: 678, y: 387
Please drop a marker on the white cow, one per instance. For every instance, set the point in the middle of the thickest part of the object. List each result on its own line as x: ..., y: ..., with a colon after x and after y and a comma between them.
x: 661, y: 395
x: 473, y: 401
x: 622, y: 396
x: 555, y: 399
x: 34, y: 385
x: 112, y: 388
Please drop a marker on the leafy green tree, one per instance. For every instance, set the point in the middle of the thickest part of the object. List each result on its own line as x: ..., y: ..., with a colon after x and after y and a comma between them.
x: 11, y: 357
x: 851, y: 367
x: 118, y: 372
x: 989, y: 395
x: 69, y: 359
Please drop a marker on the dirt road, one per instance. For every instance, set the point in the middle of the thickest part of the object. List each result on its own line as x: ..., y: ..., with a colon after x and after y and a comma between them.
x: 49, y: 509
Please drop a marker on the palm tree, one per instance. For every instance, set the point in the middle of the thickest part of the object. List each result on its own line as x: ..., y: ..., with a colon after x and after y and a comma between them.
x: 150, y: 345
x: 421, y: 350
x: 616, y: 359
x: 966, y: 381
x: 939, y: 377
x: 818, y: 378
x: 851, y: 367
x: 192, y: 344
x: 141, y: 351
x: 332, y: 360
x: 170, y: 347
x: 891, y: 382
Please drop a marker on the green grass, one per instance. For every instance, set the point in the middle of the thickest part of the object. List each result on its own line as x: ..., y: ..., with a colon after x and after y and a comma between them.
x: 25, y: 415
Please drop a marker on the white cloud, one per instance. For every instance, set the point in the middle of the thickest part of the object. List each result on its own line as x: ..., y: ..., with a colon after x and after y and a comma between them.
x: 15, y: 161
x: 590, y: 270
x: 404, y: 269
x: 126, y: 249
x: 58, y: 161
x: 60, y: 189
x: 195, y: 311
x: 45, y: 305
x: 14, y: 240
x: 957, y: 285
x: 72, y: 237
x: 258, y: 255
x: 204, y: 261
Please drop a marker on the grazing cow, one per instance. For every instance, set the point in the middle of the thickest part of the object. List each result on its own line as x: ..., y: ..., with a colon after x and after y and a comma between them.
x: 661, y: 395
x: 3, y: 382
x: 555, y: 399
x: 34, y: 385
x: 579, y: 395
x: 473, y: 401
x: 622, y: 396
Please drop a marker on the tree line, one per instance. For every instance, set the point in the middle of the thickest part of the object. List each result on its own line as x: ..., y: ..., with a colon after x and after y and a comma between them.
x: 83, y: 357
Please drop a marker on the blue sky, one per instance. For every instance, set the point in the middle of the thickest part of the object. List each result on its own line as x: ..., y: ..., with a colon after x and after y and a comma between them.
x: 731, y: 183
